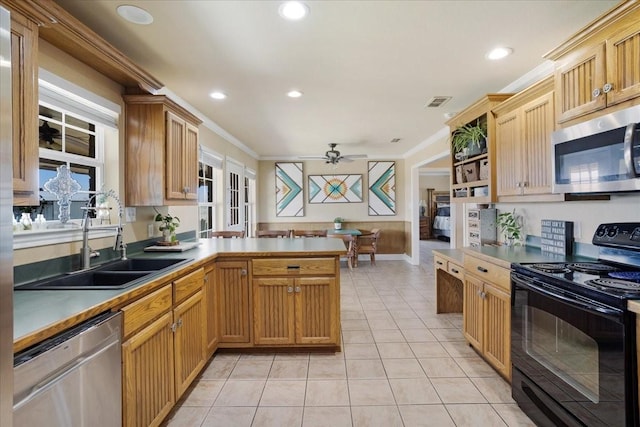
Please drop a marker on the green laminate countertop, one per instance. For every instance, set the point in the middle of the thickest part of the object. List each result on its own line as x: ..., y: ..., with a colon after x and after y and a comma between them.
x: 41, y: 314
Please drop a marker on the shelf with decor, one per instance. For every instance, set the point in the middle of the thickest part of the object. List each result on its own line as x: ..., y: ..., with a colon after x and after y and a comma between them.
x: 473, y: 165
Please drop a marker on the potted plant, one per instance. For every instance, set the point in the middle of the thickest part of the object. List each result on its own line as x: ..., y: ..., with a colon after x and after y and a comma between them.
x: 168, y: 226
x: 467, y: 140
x: 510, y: 225
x: 337, y: 222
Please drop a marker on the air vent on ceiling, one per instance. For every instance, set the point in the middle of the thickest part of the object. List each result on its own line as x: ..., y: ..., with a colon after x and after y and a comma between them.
x: 395, y: 140
x: 437, y: 101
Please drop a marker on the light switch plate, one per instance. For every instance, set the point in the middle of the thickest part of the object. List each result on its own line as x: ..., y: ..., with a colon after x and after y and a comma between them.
x: 151, y: 230
x: 130, y: 214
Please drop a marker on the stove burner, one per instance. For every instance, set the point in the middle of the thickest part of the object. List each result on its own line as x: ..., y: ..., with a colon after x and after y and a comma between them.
x: 591, y: 267
x: 615, y: 283
x: 551, y: 268
x: 626, y: 275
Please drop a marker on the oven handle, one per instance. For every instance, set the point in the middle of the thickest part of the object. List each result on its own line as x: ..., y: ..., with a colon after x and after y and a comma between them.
x: 561, y: 296
x: 629, y: 159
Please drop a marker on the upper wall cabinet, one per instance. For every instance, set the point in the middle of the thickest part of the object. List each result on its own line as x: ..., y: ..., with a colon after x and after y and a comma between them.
x: 24, y: 82
x: 600, y: 66
x: 161, y: 164
x: 473, y: 176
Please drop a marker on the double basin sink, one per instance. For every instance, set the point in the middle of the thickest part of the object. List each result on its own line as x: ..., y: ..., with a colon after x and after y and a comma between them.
x: 113, y: 275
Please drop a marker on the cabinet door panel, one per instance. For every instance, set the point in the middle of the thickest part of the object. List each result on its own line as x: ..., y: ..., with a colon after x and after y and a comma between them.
x: 623, y: 69
x: 211, y: 297
x: 537, y: 126
x: 273, y: 310
x: 497, y: 329
x: 189, y: 341
x: 190, y: 162
x: 176, y: 128
x: 508, y: 155
x: 147, y: 375
x: 234, y: 302
x: 472, y: 312
x: 315, y: 311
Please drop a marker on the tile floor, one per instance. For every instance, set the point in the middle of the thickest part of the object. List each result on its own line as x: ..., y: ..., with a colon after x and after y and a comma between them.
x: 401, y: 365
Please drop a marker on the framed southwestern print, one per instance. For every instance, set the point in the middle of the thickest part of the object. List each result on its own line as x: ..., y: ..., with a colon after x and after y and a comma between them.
x: 289, y: 189
x: 382, y: 188
x: 335, y: 188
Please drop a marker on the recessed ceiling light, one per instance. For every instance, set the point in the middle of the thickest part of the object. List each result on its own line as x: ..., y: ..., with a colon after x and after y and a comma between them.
x: 293, y: 10
x: 294, y: 94
x: 218, y: 95
x: 135, y: 14
x: 499, y: 53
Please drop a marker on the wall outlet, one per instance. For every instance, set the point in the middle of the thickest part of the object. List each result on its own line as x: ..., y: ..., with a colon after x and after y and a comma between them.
x: 129, y: 214
x: 151, y: 230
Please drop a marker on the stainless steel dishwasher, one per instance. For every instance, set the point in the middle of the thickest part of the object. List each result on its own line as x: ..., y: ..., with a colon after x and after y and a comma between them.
x: 73, y: 379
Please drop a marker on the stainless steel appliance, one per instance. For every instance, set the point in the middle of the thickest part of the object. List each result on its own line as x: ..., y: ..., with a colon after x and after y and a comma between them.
x: 6, y: 212
x: 573, y: 347
x: 599, y: 155
x: 73, y: 379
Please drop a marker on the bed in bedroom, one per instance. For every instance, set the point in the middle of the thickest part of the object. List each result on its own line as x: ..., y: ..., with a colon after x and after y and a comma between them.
x: 442, y: 217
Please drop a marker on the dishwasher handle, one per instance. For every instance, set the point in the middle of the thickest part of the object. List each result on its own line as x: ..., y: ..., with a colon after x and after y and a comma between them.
x: 50, y: 381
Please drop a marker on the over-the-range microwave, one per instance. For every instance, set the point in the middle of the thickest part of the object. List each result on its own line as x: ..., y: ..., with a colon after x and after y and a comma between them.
x: 598, y: 156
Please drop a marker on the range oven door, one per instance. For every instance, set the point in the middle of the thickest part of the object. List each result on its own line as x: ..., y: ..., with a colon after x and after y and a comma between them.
x: 569, y: 359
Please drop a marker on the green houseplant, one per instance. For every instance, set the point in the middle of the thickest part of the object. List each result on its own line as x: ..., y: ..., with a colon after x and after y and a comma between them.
x: 168, y: 226
x: 510, y: 225
x: 337, y: 222
x: 468, y: 139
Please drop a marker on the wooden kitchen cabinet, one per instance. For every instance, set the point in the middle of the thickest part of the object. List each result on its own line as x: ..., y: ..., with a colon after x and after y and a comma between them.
x: 295, y: 302
x: 487, y: 312
x: 474, y: 179
x: 524, y: 124
x: 24, y: 91
x: 598, y: 67
x: 449, y: 285
x: 161, y: 152
x: 234, y: 303
x: 212, y: 310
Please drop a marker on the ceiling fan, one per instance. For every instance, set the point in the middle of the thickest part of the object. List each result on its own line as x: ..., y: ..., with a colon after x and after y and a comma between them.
x: 48, y: 135
x: 333, y: 156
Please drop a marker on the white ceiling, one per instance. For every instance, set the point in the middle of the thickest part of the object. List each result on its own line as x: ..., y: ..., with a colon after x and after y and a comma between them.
x: 366, y: 68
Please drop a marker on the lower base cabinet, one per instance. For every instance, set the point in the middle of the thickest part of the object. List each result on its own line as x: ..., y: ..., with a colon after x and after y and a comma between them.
x: 234, y: 303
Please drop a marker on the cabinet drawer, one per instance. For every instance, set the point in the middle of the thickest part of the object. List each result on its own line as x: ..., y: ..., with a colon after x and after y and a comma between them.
x: 455, y: 270
x: 488, y: 272
x: 187, y: 285
x: 143, y: 311
x: 293, y: 266
x: 474, y: 225
x: 473, y: 214
x: 440, y: 263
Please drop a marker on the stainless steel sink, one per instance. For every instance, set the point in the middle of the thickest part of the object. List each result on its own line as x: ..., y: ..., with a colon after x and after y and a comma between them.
x: 114, y: 275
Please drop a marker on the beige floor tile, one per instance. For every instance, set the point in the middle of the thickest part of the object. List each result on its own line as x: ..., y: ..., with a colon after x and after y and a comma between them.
x: 327, y: 355
x: 240, y: 393
x: 327, y: 393
x: 325, y: 369
x: 354, y: 325
x: 459, y: 349
x: 425, y: 416
x: 447, y: 334
x: 236, y: 416
x: 513, y: 415
x: 203, y: 393
x: 435, y: 323
x: 376, y: 416
x: 357, y: 337
x: 395, y: 350
x: 475, y: 367
x: 187, y: 416
x: 457, y: 390
x: 219, y: 369
x: 403, y: 368
x: 365, y: 369
x: 388, y: 335
x: 283, y: 393
x: 352, y: 315
x: 337, y: 416
x: 289, y: 356
x: 378, y: 314
x: 439, y: 367
x: 289, y: 369
x: 370, y: 392
x: 278, y: 417
x: 413, y: 391
x: 403, y: 314
x: 361, y: 351
x: 247, y: 369
x: 418, y: 335
x: 495, y: 390
x: 410, y: 324
x: 475, y: 415
x: 261, y: 357
x: 428, y: 349
x: 382, y: 324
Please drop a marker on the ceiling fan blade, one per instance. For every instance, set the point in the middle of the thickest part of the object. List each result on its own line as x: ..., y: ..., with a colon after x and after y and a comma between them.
x: 354, y: 156
x: 312, y: 157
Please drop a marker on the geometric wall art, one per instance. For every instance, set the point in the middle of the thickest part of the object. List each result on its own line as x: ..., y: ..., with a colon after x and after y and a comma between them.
x: 335, y: 188
x: 382, y: 188
x: 289, y: 189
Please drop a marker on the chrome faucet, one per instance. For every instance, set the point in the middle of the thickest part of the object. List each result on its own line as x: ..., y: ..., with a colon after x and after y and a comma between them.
x: 119, y: 245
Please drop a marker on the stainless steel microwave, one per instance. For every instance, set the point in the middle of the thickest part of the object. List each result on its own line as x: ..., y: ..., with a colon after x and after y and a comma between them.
x: 598, y: 156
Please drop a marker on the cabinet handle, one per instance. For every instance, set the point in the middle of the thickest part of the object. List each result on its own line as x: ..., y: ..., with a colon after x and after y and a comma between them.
x: 180, y: 323
x: 290, y: 289
x: 173, y: 327
x: 483, y: 295
x: 482, y: 269
x: 455, y: 271
x: 293, y: 267
x: 298, y: 289
x: 439, y: 263
x: 243, y: 272
x: 596, y: 92
x: 607, y: 87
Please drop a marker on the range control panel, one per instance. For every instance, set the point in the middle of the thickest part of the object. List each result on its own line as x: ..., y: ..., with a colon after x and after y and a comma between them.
x: 618, y: 235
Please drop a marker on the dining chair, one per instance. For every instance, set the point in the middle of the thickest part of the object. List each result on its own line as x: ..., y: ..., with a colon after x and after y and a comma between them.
x: 309, y: 233
x: 350, y: 244
x: 226, y: 234
x: 273, y: 233
x: 368, y: 244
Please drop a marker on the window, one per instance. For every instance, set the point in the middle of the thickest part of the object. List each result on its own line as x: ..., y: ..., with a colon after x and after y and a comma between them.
x: 249, y: 202
x: 209, y: 170
x: 235, y: 196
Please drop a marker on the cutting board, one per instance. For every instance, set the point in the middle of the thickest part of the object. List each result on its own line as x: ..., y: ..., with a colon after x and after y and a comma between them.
x: 175, y: 248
